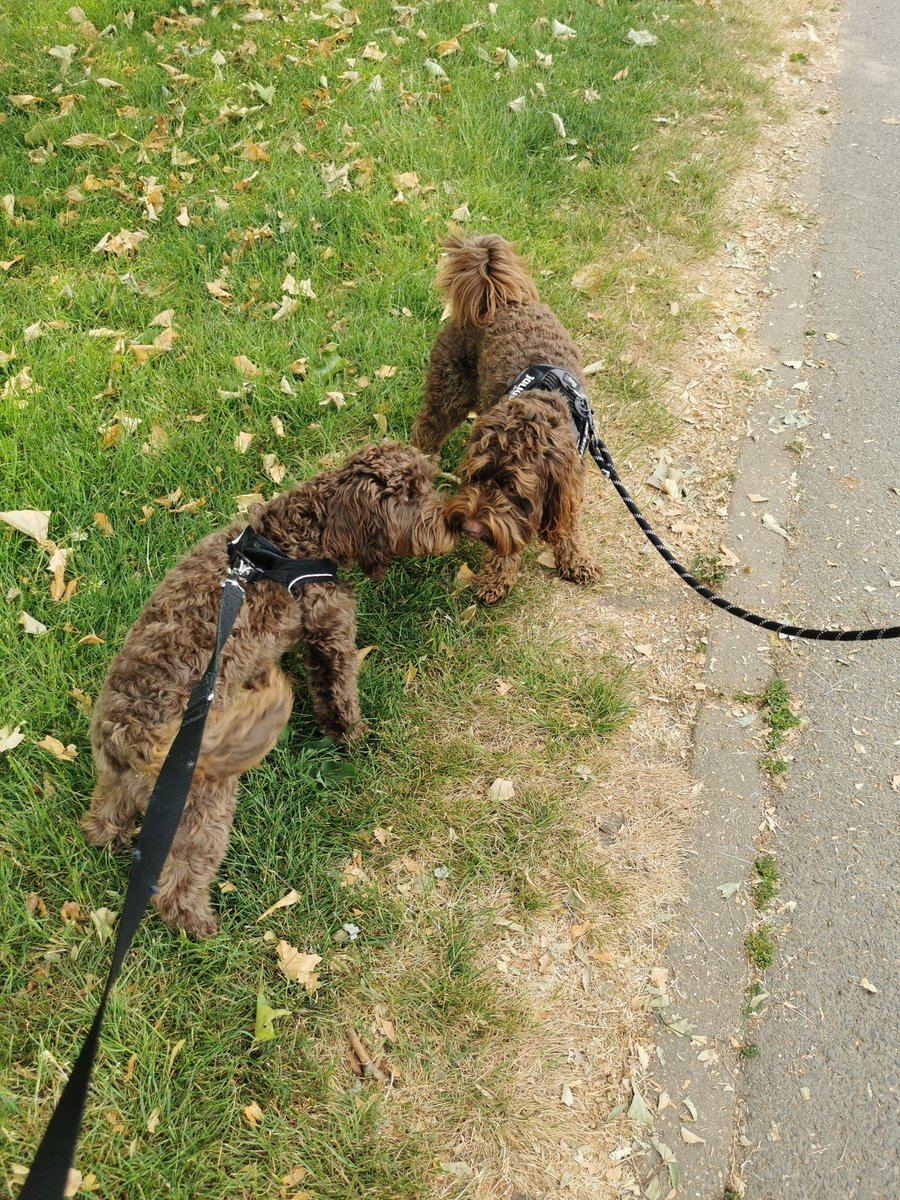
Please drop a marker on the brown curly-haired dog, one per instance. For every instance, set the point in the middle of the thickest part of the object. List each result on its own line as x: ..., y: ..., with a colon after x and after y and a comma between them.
x: 521, y: 475
x: 380, y: 504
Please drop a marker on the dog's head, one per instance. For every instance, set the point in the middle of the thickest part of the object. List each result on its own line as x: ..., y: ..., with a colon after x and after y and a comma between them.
x: 520, y: 476
x: 384, y: 506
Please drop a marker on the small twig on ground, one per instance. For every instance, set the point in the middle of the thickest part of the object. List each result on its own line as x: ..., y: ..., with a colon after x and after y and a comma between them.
x: 369, y: 1069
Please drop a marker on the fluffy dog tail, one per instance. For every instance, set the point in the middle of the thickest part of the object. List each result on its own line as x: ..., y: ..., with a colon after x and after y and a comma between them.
x: 479, y: 275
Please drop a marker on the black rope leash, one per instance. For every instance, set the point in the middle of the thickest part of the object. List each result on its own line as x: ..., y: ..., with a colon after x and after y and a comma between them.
x: 548, y: 378
x: 251, y: 557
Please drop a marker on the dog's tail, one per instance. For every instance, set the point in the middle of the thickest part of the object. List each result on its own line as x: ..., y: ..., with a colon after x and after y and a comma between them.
x: 481, y: 274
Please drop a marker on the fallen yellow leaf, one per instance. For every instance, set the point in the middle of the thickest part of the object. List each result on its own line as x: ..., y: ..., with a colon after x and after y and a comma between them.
x: 57, y: 749
x: 247, y: 368
x: 292, y: 897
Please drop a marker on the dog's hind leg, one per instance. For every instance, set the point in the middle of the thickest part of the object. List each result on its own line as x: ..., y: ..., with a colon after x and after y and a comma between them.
x: 450, y: 392
x: 199, y: 847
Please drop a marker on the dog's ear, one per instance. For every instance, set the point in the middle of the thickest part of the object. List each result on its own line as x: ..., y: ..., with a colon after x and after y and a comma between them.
x: 353, y: 532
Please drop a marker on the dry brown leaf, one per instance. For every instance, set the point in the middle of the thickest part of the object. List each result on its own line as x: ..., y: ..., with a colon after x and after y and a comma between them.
x: 163, y: 319
x: 278, y: 426
x: 123, y: 243
x: 256, y: 152
x: 688, y: 1135
x: 406, y: 181
x: 31, y: 521
x: 292, y: 897
x: 153, y: 1121
x: 385, y: 372
x: 442, y: 49
x: 273, y: 468
x: 157, y: 441
x: 191, y: 506
x: 287, y: 308
x: 298, y: 966
x: 57, y: 568
x: 82, y: 699
x: 465, y: 576
x: 10, y: 738
x: 252, y: 1114
x: 242, y: 442
x: 216, y: 288
x: 57, y: 749
x: 30, y: 625
x: 500, y: 790
x: 247, y: 368
x: 547, y: 559
x: 588, y: 279
x: 246, y: 501
x: 165, y: 340
x: 91, y: 639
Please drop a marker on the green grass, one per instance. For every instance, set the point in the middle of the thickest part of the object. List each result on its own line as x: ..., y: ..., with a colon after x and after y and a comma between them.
x: 709, y: 569
x: 441, y: 734
x: 760, y: 947
x: 774, y: 702
x: 765, y: 887
x: 749, y: 1050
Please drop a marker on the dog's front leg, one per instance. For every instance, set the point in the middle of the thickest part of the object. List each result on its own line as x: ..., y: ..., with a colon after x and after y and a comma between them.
x: 561, y: 526
x: 573, y: 560
x: 496, y: 576
x: 329, y: 651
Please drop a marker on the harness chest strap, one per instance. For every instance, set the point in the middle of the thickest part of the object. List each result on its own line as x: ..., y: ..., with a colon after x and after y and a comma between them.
x: 254, y: 557
x: 542, y: 377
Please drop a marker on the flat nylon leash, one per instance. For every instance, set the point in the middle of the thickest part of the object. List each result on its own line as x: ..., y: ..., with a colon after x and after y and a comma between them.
x: 50, y: 1168
x: 542, y: 376
x: 251, y: 557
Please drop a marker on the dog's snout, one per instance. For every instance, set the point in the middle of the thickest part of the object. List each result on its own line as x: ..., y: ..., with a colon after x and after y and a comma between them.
x: 472, y: 528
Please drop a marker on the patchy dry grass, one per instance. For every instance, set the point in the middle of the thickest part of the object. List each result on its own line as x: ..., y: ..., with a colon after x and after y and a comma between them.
x: 420, y: 888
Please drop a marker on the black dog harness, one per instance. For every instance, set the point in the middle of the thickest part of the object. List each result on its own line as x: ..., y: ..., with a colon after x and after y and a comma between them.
x: 540, y: 377
x: 251, y: 557
x: 254, y: 557
x: 545, y: 378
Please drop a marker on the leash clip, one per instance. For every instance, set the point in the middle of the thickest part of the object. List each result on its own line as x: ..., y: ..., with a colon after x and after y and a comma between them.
x: 241, y: 571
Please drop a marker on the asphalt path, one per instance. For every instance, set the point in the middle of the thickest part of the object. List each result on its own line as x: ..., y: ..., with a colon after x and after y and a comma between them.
x: 814, y: 1114
x: 821, y: 1099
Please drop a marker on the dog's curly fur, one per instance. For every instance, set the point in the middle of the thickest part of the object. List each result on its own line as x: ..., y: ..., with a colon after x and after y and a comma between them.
x: 378, y: 505
x: 521, y: 474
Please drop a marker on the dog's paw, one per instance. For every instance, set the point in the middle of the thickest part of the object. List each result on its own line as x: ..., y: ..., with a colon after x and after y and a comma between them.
x: 581, y: 571
x: 100, y: 832
x: 491, y: 591
x: 359, y: 731
x: 198, y: 925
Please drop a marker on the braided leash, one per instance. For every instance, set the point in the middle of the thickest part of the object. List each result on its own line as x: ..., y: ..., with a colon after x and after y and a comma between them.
x: 602, y: 458
x: 542, y: 376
